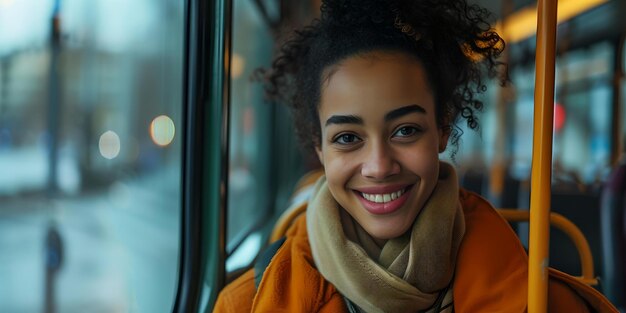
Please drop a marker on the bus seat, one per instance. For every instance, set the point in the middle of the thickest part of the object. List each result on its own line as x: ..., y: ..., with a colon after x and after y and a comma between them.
x: 613, y: 235
x: 582, y: 209
x: 571, y: 230
x: 297, y: 204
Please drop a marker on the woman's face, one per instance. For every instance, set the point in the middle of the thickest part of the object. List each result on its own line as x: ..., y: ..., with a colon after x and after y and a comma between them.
x: 380, y: 141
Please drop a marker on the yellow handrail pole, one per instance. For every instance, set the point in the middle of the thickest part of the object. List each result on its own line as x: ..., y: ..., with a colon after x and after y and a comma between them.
x: 542, y: 158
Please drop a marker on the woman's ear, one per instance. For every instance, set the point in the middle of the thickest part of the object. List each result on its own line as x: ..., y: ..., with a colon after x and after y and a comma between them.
x: 444, y: 136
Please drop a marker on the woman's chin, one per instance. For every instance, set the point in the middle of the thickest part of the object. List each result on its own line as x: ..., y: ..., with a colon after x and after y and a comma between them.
x: 386, y: 232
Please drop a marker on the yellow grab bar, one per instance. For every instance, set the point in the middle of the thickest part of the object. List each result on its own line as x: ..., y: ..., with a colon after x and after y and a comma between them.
x: 542, y: 158
x: 571, y: 230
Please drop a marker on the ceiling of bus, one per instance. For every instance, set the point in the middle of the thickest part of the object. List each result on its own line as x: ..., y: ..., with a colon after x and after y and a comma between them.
x: 498, y: 7
x: 603, y: 22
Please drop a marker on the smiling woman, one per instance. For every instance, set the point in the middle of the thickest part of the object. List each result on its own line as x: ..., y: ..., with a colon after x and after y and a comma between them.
x: 377, y: 88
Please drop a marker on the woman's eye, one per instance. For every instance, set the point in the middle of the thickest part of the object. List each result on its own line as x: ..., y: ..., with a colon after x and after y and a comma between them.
x: 345, y: 139
x: 406, y: 131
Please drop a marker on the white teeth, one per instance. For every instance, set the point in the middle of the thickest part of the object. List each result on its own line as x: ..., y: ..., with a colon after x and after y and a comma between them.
x: 383, y: 198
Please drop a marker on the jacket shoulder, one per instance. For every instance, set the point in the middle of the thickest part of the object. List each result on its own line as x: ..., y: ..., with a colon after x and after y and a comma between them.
x: 291, y: 282
x: 567, y: 294
x: 492, y: 269
x: 492, y: 264
x: 237, y: 296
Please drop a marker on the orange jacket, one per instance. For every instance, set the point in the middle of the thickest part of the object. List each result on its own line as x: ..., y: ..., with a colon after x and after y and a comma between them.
x: 491, y: 274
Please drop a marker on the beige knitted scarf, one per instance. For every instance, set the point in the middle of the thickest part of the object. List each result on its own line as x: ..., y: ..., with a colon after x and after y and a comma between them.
x: 408, y: 273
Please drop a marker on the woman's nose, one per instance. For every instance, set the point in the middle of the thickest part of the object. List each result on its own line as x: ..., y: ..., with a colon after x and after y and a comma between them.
x: 379, y: 163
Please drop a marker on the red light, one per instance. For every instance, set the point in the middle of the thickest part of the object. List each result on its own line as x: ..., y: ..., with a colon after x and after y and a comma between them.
x: 559, y: 117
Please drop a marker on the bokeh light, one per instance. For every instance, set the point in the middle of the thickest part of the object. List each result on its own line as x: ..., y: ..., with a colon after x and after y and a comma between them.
x: 109, y: 145
x: 559, y: 117
x: 238, y: 64
x: 162, y: 130
x: 6, y: 3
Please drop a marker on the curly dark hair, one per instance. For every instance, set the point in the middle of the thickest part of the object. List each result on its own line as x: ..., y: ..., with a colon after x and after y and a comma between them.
x: 453, y: 40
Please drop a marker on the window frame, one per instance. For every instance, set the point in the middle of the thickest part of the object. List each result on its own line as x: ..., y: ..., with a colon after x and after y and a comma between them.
x: 206, y: 107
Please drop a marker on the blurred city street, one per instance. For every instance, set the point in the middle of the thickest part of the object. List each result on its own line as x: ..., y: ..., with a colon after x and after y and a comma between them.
x: 120, y: 244
x: 90, y: 98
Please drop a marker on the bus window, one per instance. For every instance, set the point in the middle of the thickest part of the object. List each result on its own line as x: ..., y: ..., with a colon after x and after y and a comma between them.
x: 582, y: 117
x: 90, y: 124
x: 264, y: 163
x: 250, y: 186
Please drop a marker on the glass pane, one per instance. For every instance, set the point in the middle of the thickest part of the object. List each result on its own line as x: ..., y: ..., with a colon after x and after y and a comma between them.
x: 250, y: 189
x: 90, y: 149
x: 581, y: 147
x: 582, y: 121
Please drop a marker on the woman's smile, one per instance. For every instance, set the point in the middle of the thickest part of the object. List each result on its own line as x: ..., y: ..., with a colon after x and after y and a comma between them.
x: 383, y: 199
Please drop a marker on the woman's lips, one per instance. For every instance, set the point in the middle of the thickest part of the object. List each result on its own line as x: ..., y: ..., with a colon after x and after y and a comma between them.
x: 379, y: 208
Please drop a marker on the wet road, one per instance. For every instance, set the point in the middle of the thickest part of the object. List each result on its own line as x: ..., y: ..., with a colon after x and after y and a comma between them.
x: 120, y: 248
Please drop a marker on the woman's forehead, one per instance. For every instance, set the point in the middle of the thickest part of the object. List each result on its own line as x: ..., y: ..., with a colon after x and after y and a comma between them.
x: 380, y: 80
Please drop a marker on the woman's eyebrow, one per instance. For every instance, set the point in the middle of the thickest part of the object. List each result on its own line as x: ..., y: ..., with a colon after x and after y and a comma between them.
x: 392, y: 115
x: 344, y: 119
